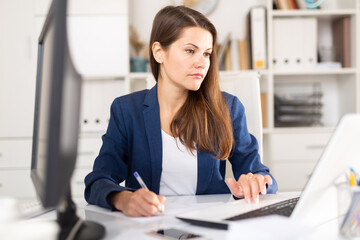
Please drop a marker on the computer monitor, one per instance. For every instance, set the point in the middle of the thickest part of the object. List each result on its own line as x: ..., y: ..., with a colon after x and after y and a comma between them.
x: 56, y: 125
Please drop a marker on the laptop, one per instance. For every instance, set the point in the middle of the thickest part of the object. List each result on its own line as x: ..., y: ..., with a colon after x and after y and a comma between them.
x: 318, y: 201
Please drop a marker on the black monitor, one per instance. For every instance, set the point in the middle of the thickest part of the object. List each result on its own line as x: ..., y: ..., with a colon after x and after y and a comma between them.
x: 56, y: 126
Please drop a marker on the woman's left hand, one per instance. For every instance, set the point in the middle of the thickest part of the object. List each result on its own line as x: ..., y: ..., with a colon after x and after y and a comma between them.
x: 249, y: 186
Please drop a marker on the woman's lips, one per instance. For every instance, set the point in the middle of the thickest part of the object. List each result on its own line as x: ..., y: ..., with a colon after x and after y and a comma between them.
x: 197, y: 75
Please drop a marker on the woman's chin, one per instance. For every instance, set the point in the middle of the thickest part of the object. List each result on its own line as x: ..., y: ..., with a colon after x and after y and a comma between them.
x: 194, y: 87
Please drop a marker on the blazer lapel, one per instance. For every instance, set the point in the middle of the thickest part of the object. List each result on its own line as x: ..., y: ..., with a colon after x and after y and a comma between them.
x: 205, y: 171
x: 153, y: 132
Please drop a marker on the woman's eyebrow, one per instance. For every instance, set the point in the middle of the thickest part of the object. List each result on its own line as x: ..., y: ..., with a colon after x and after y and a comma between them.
x: 195, y: 46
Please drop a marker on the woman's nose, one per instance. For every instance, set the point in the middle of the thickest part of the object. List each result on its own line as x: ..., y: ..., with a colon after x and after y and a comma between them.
x: 201, y: 62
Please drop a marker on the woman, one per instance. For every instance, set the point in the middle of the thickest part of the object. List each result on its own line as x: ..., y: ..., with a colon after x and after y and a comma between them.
x: 178, y: 134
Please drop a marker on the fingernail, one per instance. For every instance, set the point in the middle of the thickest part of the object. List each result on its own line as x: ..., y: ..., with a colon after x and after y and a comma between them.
x: 247, y: 200
x: 263, y: 192
x: 161, y: 208
x: 256, y: 199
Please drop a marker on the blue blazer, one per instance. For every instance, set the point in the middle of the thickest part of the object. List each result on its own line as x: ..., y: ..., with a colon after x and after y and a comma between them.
x: 133, y: 142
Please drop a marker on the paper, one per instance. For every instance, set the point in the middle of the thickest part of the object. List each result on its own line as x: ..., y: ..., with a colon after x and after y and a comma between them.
x: 171, y: 209
x: 273, y: 227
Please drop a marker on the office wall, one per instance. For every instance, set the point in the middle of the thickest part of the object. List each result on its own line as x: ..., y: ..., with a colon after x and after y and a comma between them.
x: 142, y: 12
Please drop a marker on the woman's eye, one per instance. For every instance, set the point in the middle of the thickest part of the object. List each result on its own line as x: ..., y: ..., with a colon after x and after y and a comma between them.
x: 189, y: 51
x: 207, y: 54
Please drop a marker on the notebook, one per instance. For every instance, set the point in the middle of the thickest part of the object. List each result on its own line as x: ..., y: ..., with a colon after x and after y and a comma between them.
x: 318, y: 201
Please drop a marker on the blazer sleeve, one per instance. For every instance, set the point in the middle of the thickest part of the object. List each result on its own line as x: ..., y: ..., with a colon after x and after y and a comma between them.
x: 111, y: 166
x: 245, y: 157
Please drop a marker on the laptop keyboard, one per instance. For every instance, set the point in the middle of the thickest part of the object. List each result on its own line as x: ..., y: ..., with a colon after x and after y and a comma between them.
x: 31, y: 208
x: 283, y: 208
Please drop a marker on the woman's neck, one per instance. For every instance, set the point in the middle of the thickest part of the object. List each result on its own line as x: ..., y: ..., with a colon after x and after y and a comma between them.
x: 171, y: 99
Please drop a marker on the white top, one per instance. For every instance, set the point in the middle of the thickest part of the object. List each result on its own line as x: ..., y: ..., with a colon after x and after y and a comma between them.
x: 179, y: 168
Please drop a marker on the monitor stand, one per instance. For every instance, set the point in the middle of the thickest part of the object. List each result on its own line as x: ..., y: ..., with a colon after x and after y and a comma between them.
x: 73, y: 227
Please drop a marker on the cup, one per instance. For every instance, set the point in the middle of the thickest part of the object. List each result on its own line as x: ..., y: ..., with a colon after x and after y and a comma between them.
x: 138, y: 64
x: 348, y: 210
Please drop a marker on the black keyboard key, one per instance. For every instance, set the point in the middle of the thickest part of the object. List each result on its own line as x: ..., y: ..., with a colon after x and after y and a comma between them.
x: 283, y: 208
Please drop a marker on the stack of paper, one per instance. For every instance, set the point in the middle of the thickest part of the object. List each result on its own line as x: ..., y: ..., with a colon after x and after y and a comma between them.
x: 303, y: 109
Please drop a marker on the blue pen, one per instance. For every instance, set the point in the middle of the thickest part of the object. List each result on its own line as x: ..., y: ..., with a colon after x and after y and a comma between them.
x: 140, y: 181
x: 143, y: 185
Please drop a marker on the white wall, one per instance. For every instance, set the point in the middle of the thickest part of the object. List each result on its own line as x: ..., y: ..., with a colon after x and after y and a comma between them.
x: 142, y: 13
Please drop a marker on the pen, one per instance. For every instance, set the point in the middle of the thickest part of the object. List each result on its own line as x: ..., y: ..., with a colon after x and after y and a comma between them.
x: 140, y: 181
x: 143, y: 185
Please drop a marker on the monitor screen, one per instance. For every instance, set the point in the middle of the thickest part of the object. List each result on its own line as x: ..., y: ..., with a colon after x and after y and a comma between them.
x: 57, y: 107
x: 56, y: 127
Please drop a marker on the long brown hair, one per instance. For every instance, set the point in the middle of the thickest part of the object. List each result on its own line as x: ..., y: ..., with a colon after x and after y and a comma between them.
x: 204, y: 119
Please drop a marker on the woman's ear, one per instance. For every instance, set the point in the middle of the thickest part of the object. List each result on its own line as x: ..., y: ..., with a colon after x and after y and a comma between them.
x: 157, y: 52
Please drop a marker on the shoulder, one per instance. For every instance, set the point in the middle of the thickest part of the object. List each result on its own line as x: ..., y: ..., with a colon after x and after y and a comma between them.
x: 131, y: 100
x: 129, y: 104
x: 234, y: 104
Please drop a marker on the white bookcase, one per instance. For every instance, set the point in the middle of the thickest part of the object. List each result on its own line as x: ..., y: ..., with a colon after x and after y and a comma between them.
x: 292, y: 153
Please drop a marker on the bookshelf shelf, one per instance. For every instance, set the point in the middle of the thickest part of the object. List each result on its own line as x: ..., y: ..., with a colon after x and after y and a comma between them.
x: 314, y: 13
x: 341, y: 71
x: 267, y: 130
x: 101, y: 78
x: 234, y: 73
x: 139, y: 75
x: 295, y: 130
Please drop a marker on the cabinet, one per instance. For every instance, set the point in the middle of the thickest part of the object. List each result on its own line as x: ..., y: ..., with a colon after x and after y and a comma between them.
x: 98, y: 41
x: 292, y: 152
x: 17, y: 97
x: 17, y: 69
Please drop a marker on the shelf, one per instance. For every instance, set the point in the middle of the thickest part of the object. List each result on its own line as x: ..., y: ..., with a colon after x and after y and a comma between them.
x: 102, y: 77
x: 139, y: 75
x: 314, y: 13
x: 303, y: 130
x: 267, y: 130
x: 234, y: 73
x: 94, y: 134
x: 341, y: 71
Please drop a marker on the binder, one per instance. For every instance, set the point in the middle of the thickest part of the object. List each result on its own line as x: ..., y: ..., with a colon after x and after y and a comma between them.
x: 341, y: 41
x: 301, y: 4
x: 235, y: 56
x: 244, y: 54
x: 257, y: 35
x: 294, y: 43
x: 221, y: 54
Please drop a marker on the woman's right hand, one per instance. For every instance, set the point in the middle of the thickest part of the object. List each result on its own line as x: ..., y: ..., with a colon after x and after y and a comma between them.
x: 139, y: 203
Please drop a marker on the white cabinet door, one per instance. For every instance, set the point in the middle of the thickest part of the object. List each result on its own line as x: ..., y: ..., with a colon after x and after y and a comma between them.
x: 15, y: 153
x: 298, y: 146
x: 88, y: 150
x: 86, y: 7
x: 99, y: 45
x: 96, y: 99
x: 294, y: 156
x: 292, y: 176
x: 16, y: 184
x: 98, y: 35
x: 17, y: 69
x: 77, y: 181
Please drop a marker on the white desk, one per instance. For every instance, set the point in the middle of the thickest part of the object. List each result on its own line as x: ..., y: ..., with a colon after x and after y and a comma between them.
x: 119, y: 226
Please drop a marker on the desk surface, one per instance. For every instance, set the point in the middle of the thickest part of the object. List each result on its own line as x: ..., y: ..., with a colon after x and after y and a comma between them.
x: 118, y: 226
